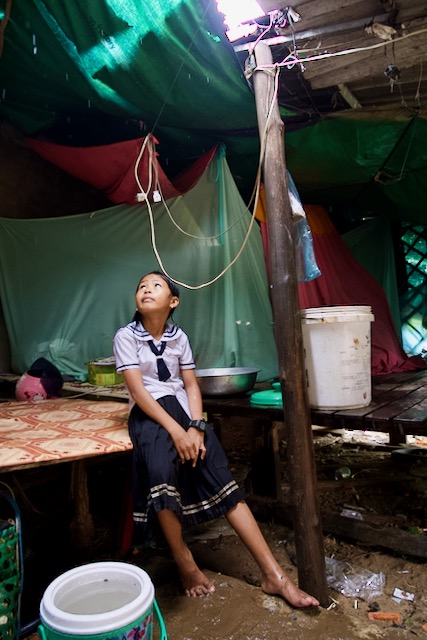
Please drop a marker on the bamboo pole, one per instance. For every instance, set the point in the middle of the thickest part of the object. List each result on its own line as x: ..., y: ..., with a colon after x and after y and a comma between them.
x: 288, y: 335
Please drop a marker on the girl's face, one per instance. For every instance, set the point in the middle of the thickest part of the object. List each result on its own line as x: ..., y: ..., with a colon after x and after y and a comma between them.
x: 153, y: 294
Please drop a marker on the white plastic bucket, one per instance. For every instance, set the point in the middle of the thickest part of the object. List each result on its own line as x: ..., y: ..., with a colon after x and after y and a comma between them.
x: 337, y: 347
x: 99, y: 601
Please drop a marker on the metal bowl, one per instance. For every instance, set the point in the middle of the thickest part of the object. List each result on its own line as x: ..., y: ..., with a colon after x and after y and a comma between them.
x: 226, y: 381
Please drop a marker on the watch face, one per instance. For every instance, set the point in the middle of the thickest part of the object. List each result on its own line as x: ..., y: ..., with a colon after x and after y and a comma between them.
x: 198, y: 424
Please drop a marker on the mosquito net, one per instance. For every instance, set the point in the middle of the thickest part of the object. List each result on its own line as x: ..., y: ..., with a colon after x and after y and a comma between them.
x: 67, y: 283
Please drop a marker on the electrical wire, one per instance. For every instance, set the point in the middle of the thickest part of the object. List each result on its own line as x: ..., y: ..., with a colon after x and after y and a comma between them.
x: 184, y: 284
x: 417, y: 93
x: 148, y: 143
x: 148, y: 140
x: 323, y: 56
x: 196, y: 237
x: 262, y: 34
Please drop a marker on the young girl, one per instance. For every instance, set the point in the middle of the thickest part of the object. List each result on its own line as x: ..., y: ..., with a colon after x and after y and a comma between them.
x: 180, y: 471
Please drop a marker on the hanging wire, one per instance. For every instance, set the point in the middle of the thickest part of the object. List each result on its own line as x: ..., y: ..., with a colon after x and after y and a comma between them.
x: 196, y: 237
x: 417, y: 93
x: 322, y: 56
x: 261, y: 35
x: 289, y: 61
x: 149, y: 144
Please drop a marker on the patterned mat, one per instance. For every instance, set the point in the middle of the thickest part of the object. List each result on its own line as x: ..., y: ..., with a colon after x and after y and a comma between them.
x: 84, y: 388
x: 60, y: 429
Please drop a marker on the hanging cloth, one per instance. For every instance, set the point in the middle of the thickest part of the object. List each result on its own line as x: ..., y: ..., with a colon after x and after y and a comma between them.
x: 162, y: 370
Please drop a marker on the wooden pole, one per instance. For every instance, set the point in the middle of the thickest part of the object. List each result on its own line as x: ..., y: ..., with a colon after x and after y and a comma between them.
x: 288, y: 334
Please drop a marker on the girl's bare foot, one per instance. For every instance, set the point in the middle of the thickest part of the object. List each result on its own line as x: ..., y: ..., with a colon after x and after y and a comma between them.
x: 196, y: 584
x: 194, y: 581
x: 279, y: 585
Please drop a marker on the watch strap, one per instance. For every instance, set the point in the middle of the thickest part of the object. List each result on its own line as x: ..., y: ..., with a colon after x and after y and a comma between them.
x: 198, y: 424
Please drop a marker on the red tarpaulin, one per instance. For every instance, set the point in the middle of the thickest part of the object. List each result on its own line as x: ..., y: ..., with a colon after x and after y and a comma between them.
x: 343, y: 281
x: 111, y: 168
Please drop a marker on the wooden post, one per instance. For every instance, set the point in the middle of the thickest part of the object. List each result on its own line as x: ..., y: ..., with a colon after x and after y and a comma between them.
x: 82, y: 530
x: 288, y: 334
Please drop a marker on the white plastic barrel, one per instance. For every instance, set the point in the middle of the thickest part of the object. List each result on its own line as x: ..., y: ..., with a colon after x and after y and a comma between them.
x: 98, y: 601
x: 337, y: 347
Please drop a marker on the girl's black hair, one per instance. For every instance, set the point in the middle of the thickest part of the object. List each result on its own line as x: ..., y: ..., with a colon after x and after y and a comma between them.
x: 171, y: 284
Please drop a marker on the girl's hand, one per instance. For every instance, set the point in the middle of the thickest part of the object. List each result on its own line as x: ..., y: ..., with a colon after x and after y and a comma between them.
x: 199, y: 442
x: 186, y: 444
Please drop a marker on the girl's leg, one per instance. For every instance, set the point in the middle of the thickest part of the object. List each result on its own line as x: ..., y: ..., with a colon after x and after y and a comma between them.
x: 273, y: 581
x: 194, y: 581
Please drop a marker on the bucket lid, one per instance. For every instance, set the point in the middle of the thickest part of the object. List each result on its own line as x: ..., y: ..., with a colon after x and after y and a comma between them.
x: 89, y: 576
x: 269, y: 397
x: 357, y: 308
x: 339, y: 313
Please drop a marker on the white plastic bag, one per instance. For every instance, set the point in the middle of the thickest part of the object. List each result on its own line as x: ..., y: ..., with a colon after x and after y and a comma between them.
x: 352, y: 581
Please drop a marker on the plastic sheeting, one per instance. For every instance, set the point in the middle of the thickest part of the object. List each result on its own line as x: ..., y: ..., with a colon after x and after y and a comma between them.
x: 375, y: 167
x: 67, y: 284
x: 371, y: 245
x: 122, y: 169
x: 81, y: 65
x: 93, y: 72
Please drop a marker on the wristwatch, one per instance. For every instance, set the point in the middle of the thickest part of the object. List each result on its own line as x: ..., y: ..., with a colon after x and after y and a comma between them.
x: 198, y: 424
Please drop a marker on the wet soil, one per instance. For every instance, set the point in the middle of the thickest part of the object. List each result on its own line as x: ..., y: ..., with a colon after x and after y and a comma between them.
x: 384, y: 487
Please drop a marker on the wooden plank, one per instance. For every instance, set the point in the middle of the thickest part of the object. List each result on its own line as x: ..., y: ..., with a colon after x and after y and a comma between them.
x: 389, y: 538
x: 408, y: 544
x: 355, y: 418
x: 401, y: 377
x: 395, y: 408
x: 366, y: 66
x: 416, y: 414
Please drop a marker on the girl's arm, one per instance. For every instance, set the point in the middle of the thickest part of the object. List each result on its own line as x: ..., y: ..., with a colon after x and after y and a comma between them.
x: 192, y: 389
x: 196, y: 408
x: 184, y: 444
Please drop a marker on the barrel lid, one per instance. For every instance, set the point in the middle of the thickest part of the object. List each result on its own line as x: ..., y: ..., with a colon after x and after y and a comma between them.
x: 347, y: 308
x: 55, y: 610
x: 350, y: 313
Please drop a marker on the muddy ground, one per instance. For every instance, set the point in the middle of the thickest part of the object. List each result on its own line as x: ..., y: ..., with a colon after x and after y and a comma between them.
x: 385, y: 488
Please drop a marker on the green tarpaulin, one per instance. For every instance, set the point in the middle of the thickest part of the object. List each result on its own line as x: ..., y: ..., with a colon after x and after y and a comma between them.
x: 92, y: 72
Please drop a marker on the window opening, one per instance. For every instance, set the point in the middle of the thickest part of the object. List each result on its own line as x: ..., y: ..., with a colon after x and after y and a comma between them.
x: 413, y: 301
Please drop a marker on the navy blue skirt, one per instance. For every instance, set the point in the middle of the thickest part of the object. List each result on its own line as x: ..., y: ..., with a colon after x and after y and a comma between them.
x: 160, y: 480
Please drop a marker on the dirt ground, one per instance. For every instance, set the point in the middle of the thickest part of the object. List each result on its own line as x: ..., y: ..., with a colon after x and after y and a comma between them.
x: 381, y: 488
x: 386, y: 488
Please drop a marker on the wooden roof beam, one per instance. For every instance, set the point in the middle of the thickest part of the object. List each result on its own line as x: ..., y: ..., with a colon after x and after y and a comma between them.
x: 314, y: 33
x: 350, y: 99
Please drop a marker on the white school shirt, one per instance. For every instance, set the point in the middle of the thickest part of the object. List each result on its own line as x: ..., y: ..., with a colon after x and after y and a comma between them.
x: 132, y: 351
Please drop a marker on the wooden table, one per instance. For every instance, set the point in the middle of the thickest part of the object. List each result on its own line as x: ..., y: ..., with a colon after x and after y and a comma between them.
x: 33, y: 434
x: 398, y: 407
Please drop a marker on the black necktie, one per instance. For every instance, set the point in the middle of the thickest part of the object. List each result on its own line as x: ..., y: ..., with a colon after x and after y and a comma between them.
x: 162, y: 370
